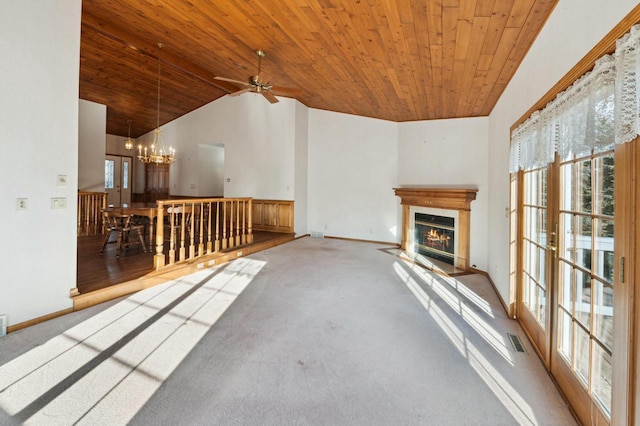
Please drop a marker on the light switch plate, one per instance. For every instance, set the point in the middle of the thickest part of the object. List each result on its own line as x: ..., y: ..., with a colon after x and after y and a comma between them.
x: 58, y: 203
x: 62, y: 180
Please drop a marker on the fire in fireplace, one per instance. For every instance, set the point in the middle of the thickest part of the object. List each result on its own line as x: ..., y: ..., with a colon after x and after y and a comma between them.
x: 434, y: 237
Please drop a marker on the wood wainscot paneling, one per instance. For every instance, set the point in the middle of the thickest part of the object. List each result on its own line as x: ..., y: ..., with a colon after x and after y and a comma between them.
x: 440, y: 198
x: 273, y: 215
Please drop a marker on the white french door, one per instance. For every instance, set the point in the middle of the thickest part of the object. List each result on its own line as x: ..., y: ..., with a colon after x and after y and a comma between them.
x: 117, y: 179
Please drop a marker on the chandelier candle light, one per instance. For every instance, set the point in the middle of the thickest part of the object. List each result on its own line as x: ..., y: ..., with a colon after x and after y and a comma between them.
x: 158, y: 153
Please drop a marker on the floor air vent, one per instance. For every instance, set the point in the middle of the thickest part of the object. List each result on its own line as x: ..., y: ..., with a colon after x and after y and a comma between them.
x: 516, y: 343
x: 317, y: 234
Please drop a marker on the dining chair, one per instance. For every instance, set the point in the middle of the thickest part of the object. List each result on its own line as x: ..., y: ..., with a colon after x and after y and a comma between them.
x: 124, y: 229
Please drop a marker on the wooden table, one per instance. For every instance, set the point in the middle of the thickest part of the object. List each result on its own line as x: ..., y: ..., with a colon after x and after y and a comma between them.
x: 149, y: 210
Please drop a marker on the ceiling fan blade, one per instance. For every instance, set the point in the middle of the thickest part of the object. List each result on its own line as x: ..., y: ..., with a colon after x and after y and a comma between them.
x: 286, y: 90
x: 230, y: 80
x: 240, y: 92
x: 269, y: 96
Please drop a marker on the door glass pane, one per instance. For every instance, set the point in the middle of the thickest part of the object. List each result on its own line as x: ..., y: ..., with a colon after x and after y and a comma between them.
x: 531, y: 288
x: 108, y: 174
x: 542, y: 308
x: 542, y: 267
x: 566, y: 182
x: 583, y: 242
x: 602, y: 369
x: 603, y: 313
x: 526, y: 292
x: 567, y: 243
x: 603, y: 256
x: 583, y: 186
x: 566, y: 287
x: 125, y: 175
x: 565, y: 335
x: 533, y: 259
x: 581, y: 365
x: 542, y: 227
x: 604, y: 185
x: 583, y: 301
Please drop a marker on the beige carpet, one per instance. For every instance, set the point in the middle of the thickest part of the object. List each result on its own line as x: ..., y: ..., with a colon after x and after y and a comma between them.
x: 313, y: 332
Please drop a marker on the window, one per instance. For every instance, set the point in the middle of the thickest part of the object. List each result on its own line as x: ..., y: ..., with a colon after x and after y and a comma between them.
x: 109, y: 168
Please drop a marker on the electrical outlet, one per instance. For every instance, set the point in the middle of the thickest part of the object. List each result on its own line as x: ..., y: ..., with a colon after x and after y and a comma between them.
x: 58, y: 203
x: 22, y: 204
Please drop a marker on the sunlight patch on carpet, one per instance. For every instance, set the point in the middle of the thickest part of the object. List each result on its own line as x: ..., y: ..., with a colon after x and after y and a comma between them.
x: 506, y: 394
x: 112, y: 363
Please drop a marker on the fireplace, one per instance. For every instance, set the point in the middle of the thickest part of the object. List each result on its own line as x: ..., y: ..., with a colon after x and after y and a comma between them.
x: 436, y: 223
x: 434, y: 236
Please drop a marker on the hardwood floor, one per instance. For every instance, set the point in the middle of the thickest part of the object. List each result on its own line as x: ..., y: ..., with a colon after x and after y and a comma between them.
x: 95, y: 271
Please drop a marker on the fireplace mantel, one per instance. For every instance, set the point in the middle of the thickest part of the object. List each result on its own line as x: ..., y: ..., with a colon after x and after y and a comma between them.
x: 440, y: 198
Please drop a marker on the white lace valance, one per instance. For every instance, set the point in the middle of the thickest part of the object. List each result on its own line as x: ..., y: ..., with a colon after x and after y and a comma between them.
x: 599, y: 109
x: 627, y: 95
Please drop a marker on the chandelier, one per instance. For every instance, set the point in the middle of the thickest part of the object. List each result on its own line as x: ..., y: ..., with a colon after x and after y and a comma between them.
x: 157, y: 153
x: 128, y: 144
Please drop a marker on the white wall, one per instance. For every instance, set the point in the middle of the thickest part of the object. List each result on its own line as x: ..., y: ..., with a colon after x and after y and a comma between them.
x: 352, y: 173
x: 450, y: 153
x: 301, y: 180
x: 259, y: 146
x: 211, y: 171
x: 573, y: 29
x: 40, y: 50
x: 92, y: 129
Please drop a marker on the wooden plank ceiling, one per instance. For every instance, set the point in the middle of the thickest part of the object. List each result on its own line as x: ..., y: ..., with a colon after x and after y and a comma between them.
x: 399, y: 60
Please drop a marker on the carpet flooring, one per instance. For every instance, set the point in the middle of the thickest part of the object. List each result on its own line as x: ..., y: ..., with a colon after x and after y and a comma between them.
x: 312, y: 332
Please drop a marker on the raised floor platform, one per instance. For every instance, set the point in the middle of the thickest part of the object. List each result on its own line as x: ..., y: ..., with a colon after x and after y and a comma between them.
x: 105, y: 277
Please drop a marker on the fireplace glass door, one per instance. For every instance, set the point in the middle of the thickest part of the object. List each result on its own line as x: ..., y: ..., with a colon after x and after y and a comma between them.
x: 435, y: 237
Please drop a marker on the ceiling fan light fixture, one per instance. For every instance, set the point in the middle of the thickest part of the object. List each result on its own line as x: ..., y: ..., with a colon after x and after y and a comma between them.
x: 254, y: 85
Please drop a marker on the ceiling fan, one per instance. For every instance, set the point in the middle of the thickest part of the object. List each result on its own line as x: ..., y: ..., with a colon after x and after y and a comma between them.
x: 255, y: 85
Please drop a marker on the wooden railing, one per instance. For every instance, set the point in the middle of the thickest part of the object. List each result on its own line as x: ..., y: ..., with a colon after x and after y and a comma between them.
x: 90, y: 205
x: 196, y: 227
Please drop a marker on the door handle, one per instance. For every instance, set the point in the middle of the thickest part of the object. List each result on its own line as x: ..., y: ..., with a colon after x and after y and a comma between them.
x: 552, y: 244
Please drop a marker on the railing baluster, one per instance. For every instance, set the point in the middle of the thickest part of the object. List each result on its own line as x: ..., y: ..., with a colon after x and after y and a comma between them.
x: 158, y: 259
x: 201, y: 232
x: 250, y: 221
x: 216, y: 245
x: 238, y: 222
x: 209, y: 244
x: 192, y: 236
x: 231, y: 239
x: 172, y: 235
x: 244, y: 219
x: 224, y: 224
